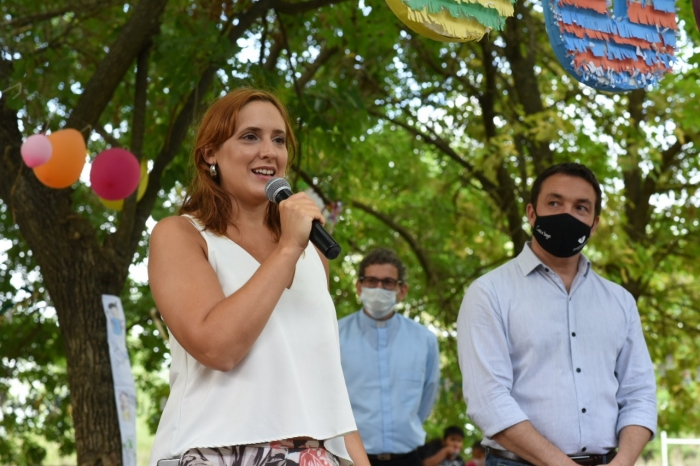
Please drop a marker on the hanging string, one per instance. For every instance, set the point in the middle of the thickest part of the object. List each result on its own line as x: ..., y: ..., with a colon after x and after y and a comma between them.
x: 18, y: 85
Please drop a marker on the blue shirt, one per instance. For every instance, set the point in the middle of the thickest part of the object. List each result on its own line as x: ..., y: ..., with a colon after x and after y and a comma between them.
x: 575, y: 364
x: 392, y: 371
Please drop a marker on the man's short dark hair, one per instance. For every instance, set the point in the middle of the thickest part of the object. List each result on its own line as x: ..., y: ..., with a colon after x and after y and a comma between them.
x: 568, y: 169
x: 383, y: 256
x: 452, y: 430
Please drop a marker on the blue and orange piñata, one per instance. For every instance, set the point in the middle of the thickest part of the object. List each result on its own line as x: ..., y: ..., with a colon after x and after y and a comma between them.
x: 630, y: 47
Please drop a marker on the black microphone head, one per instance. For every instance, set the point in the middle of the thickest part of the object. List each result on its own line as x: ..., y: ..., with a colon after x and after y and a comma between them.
x: 274, y: 187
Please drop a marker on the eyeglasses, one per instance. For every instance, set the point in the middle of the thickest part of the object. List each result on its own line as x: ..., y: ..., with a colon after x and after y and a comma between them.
x: 387, y: 283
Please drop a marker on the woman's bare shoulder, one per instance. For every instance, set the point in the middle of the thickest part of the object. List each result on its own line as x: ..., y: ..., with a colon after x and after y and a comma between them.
x: 175, y: 229
x: 175, y: 223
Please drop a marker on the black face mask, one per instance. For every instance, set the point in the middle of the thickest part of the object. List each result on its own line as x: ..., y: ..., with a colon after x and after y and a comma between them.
x: 561, y: 235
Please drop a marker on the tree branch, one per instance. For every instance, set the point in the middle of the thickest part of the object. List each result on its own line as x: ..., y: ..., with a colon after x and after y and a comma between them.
x: 263, y: 39
x: 111, y: 140
x: 138, y: 130
x: 677, y: 187
x: 138, y: 123
x: 274, y: 53
x: 445, y: 148
x: 86, y: 9
x: 431, y: 277
x: 324, y: 55
x: 526, y: 84
x: 316, y: 189
x: 297, y: 88
x: 141, y: 26
x: 297, y: 8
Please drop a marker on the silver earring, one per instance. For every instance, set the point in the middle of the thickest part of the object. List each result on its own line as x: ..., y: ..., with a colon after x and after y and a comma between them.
x: 212, y: 170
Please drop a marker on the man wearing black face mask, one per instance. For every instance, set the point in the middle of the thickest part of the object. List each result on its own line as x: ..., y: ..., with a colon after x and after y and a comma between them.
x: 555, y: 367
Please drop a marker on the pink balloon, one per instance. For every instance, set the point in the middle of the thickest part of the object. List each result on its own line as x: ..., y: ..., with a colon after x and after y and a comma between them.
x: 115, y: 174
x: 36, y: 150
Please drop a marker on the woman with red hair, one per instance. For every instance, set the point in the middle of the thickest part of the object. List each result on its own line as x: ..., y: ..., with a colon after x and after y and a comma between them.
x: 255, y: 377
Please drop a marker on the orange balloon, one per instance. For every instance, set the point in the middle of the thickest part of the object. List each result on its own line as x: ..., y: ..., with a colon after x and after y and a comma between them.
x: 66, y: 163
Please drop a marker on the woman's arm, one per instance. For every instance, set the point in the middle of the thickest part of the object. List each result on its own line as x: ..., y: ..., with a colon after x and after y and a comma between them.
x: 353, y: 443
x: 217, y: 330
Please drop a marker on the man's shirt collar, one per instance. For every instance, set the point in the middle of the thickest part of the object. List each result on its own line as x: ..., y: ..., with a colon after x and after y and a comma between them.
x: 528, y: 261
x: 367, y: 321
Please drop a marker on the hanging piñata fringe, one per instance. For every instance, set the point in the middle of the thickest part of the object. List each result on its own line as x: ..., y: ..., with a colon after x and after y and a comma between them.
x: 630, y: 49
x: 463, y: 9
x: 474, y: 13
x: 399, y: 8
x: 453, y: 20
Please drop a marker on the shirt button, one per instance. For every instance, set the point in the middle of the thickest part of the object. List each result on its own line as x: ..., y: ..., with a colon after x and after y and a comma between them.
x: 546, y: 269
x: 583, y: 410
x: 583, y: 449
x: 578, y: 369
x: 573, y: 334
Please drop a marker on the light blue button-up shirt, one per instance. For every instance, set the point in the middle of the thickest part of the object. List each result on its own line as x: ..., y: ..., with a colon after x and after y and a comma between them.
x: 392, y: 371
x: 575, y: 364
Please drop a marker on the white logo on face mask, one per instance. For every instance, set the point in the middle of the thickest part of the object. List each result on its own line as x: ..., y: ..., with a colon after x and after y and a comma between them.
x: 581, y: 239
x: 378, y: 302
x: 544, y: 233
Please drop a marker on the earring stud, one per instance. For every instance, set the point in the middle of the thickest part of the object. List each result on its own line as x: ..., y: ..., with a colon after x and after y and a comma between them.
x: 212, y: 170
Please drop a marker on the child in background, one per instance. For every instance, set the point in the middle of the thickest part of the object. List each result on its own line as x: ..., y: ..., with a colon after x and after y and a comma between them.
x: 445, y: 452
x: 478, y: 455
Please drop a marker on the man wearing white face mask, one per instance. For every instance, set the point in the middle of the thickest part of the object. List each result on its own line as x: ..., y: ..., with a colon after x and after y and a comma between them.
x: 391, y: 364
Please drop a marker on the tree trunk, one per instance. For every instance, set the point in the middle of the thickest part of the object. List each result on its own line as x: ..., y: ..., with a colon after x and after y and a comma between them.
x: 76, y: 294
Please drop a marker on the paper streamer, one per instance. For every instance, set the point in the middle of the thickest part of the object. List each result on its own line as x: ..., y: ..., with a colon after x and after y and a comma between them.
x: 452, y: 20
x: 124, y: 387
x: 631, y: 48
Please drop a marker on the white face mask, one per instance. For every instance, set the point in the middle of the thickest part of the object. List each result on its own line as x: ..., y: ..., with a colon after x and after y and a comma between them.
x: 378, y: 302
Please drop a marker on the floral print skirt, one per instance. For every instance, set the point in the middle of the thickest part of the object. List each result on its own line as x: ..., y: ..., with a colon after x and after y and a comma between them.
x: 280, y: 453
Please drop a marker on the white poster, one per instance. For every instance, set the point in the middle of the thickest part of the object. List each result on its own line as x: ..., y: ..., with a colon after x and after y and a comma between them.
x: 124, y: 387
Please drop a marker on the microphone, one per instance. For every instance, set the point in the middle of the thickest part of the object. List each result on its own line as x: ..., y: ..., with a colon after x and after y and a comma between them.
x: 277, y: 190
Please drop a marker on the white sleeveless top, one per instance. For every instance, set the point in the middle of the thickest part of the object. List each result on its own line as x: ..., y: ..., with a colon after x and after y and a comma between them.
x: 289, y: 385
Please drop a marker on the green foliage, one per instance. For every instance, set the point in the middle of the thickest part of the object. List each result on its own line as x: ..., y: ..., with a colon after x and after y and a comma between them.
x: 430, y: 148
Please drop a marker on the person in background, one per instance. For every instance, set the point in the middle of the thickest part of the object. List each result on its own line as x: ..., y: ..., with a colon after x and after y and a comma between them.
x: 445, y: 451
x: 391, y: 364
x: 478, y: 454
x: 255, y: 377
x: 554, y: 363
